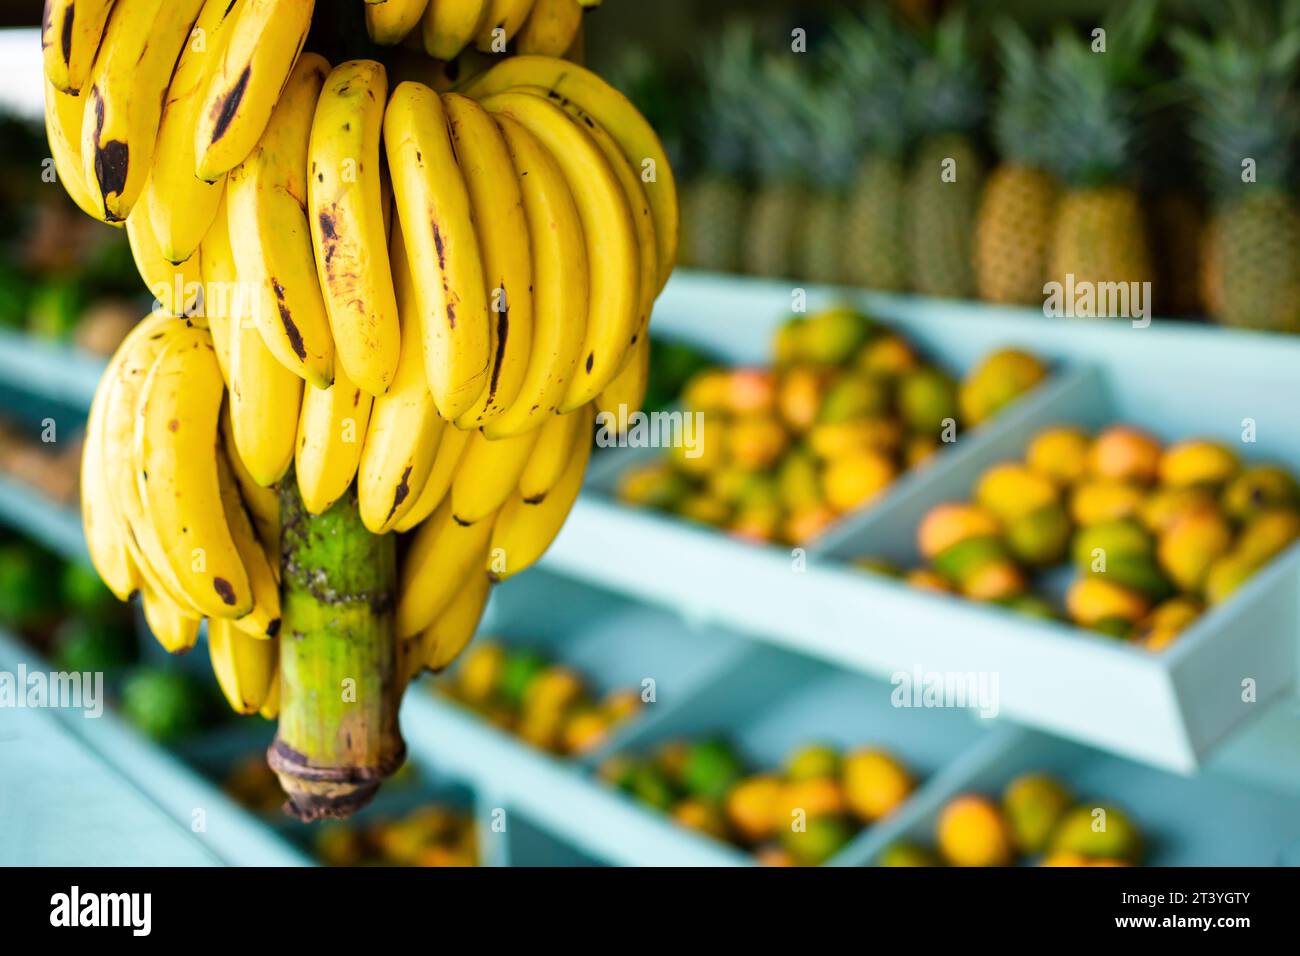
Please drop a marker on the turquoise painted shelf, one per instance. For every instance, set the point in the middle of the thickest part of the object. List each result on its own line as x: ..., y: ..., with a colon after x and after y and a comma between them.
x: 57, y: 372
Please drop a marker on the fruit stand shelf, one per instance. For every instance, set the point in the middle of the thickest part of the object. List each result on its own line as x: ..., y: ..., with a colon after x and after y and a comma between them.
x: 57, y: 372
x: 26, y: 510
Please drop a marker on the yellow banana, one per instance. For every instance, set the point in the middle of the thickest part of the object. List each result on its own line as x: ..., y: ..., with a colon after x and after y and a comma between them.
x: 451, y: 447
x: 589, y: 3
x: 434, y: 211
x: 244, y: 666
x: 63, y: 116
x: 626, y: 394
x: 389, y: 21
x: 124, y: 98
x: 174, y: 627
x: 502, y: 229
x: 610, y: 237
x: 264, y: 395
x: 263, y: 621
x: 555, y: 448
x: 560, y: 277
x: 500, y: 24
x: 488, y: 474
x: 224, y: 302
x: 176, y: 474
x: 615, y: 112
x: 455, y: 627
x: 266, y: 197
x: 523, y: 531
x: 104, y: 530
x: 71, y: 32
x: 175, y: 288
x: 331, y: 434
x: 263, y: 504
x: 346, y: 210
x: 237, y: 103
x: 450, y: 25
x: 179, y: 204
x: 405, y: 429
x: 270, y: 709
x: 550, y: 28
x: 442, y: 556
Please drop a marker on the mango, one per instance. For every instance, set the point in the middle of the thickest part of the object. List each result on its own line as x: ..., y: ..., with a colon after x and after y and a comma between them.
x: 851, y: 397
x: 1096, y: 545
x: 479, y: 674
x: 1124, y: 453
x: 705, y: 509
x: 971, y: 831
x: 1060, y: 453
x: 1033, y: 803
x: 833, y: 336
x: 1109, y: 834
x: 1268, y: 534
x: 1031, y: 605
x: 1098, y: 500
x: 1166, y: 621
x: 798, y: 480
x: 881, y: 566
x: 857, y: 479
x: 618, y: 770
x: 906, y: 854
x: 927, y: 400
x: 926, y: 579
x: 952, y: 522
x: 707, y: 390
x: 731, y: 483
x: 620, y: 704
x: 648, y: 784
x: 960, y: 561
x: 998, y: 380
x: 773, y: 856
x: 585, y: 729
x: 1011, y: 491
x: 812, y: 761
x: 823, y: 838
x: 702, y: 816
x: 751, y: 807
x: 804, y: 524
x: 831, y: 440
x: 1091, y: 600
x: 751, y: 391
x: 755, y: 442
x: 799, y: 397
x: 1259, y: 488
x: 919, y: 449
x: 709, y: 450
x: 1042, y: 537
x: 1188, y: 548
x: 787, y: 343
x: 652, y: 485
x: 758, y: 522
x: 1167, y: 505
x: 995, y: 581
x: 553, y: 689
x: 810, y: 798
x: 875, y: 784
x: 1198, y: 463
x: 887, y: 355
x: 1226, y: 575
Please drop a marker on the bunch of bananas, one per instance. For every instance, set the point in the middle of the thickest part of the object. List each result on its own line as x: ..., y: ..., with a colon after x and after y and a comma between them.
x: 428, y: 294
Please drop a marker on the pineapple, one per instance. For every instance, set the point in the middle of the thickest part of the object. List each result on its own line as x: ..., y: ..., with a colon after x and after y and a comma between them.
x: 1016, y: 214
x: 1247, y: 107
x: 874, y: 58
x: 1092, y: 120
x: 947, y: 172
x: 777, y: 208
x: 832, y: 147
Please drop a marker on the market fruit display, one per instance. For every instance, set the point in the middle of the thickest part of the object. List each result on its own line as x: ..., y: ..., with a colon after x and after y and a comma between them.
x: 800, y: 814
x: 545, y: 703
x: 432, y: 835
x: 1037, y: 820
x: 383, y: 309
x: 847, y: 406
x: 1154, y: 534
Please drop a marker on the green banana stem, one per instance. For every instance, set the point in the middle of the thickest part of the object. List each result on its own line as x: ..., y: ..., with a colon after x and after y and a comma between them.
x: 340, y: 690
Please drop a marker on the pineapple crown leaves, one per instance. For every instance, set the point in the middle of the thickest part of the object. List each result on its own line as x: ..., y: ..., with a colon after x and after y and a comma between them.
x: 832, y: 143
x: 946, y: 93
x: 1242, y: 84
x: 725, y: 125
x: 874, y: 56
x: 779, y: 119
x: 1020, y: 107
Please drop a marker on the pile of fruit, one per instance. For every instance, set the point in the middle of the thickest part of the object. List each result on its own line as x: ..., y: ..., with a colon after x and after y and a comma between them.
x: 433, y: 835
x: 1037, y: 819
x: 388, y: 309
x: 547, y: 704
x: 1155, y: 534
x: 846, y: 408
x: 801, y: 815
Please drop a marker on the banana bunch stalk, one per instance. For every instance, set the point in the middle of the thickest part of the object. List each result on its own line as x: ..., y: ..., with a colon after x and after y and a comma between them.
x: 386, y: 318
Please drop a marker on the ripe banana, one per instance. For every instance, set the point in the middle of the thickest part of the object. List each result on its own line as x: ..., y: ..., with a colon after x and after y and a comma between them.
x: 263, y: 621
x: 71, y: 32
x: 455, y: 627
x: 264, y: 395
x: 105, y: 533
x: 176, y: 474
x: 556, y: 446
x: 389, y: 21
x: 524, y: 531
x: 626, y: 394
x: 450, y: 25
x: 442, y: 557
x: 405, y: 429
x: 238, y: 100
x: 488, y: 474
x: 270, y: 709
x: 615, y: 112
x: 559, y: 259
x: 224, y: 301
x: 550, y: 28
x: 346, y: 210
x: 263, y: 504
x: 266, y: 197
x: 180, y: 205
x: 500, y: 24
x: 63, y: 120
x: 125, y: 95
x: 175, y: 628
x: 331, y: 434
x: 175, y: 288
x: 434, y: 211
x: 245, y: 666
x: 610, y: 237
x: 502, y: 228
x: 451, y: 447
